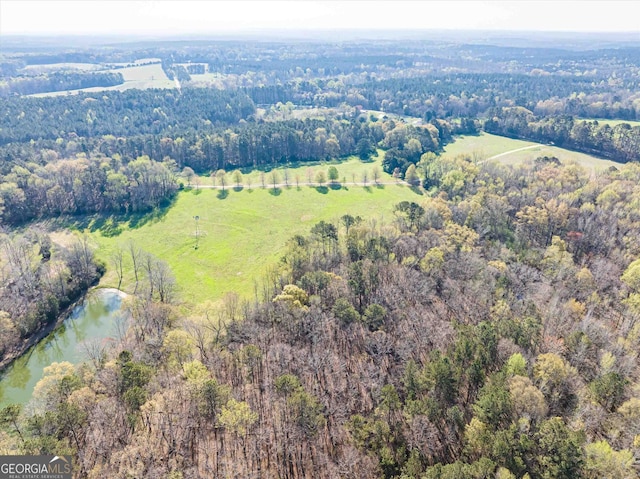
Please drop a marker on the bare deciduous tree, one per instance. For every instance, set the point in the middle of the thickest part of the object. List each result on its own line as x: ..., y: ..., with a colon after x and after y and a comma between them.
x: 117, y: 259
x: 136, y: 258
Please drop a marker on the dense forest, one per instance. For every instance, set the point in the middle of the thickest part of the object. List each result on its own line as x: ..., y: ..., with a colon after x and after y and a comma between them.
x: 83, y: 186
x: 265, y: 143
x: 132, y: 112
x: 465, y: 95
x: 490, y: 331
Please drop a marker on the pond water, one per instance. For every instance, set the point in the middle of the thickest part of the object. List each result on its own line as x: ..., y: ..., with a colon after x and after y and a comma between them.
x: 93, y: 320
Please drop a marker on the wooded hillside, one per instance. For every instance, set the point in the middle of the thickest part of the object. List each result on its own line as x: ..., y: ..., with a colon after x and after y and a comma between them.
x: 491, y: 330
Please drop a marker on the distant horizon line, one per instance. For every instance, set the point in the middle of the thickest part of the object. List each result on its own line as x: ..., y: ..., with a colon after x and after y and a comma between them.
x: 308, y: 31
x: 322, y: 30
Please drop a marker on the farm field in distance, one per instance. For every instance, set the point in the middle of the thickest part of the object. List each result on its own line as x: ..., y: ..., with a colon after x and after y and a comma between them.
x: 486, y: 146
x: 138, y: 76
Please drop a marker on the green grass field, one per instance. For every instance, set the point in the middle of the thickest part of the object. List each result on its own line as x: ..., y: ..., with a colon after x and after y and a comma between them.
x: 145, y: 73
x: 243, y: 231
x: 241, y: 235
x: 486, y: 146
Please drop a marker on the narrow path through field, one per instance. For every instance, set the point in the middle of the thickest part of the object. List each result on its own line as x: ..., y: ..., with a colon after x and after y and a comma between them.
x: 512, y: 151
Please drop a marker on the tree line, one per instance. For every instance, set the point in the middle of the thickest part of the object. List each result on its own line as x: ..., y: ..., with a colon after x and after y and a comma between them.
x: 58, y: 81
x: 247, y: 145
x: 467, y: 95
x: 84, y: 185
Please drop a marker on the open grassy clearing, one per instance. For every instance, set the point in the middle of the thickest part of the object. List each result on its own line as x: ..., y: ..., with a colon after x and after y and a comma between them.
x: 242, y: 233
x: 216, y: 80
x: 563, y: 155
x: 144, y: 73
x: 486, y: 146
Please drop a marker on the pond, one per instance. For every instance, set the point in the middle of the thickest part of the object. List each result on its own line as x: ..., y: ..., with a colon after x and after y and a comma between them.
x: 93, y: 320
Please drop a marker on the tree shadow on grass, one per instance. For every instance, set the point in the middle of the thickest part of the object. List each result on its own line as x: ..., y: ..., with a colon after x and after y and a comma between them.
x: 416, y: 190
x: 322, y: 189
x: 137, y: 220
x: 111, y: 225
x: 238, y: 188
x: 111, y: 228
x: 380, y: 186
x: 275, y: 191
x: 197, y: 192
x: 222, y: 194
x: 368, y: 189
x: 335, y: 186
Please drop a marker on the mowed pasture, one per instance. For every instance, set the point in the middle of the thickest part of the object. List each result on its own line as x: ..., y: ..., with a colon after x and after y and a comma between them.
x: 487, y: 147
x: 145, y: 76
x: 242, y: 231
x: 484, y: 145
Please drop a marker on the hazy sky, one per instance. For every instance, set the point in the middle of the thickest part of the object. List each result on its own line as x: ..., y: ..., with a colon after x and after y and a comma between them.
x: 168, y: 17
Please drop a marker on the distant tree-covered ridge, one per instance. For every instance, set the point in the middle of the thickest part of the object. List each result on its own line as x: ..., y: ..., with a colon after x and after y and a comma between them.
x: 59, y: 81
x: 464, y: 95
x: 122, y: 114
